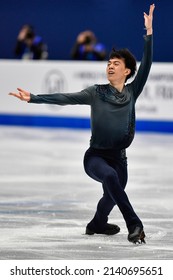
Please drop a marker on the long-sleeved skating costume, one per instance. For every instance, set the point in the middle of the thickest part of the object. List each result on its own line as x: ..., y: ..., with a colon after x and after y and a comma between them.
x: 112, y: 131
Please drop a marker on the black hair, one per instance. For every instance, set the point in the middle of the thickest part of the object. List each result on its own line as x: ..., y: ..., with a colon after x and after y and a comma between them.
x: 30, y: 34
x: 128, y: 57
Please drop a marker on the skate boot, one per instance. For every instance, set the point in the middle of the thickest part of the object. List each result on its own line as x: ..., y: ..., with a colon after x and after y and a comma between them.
x: 137, y: 235
x: 110, y: 229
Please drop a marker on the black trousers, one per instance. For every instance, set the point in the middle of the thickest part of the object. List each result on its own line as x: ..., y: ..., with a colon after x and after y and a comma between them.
x: 110, y: 168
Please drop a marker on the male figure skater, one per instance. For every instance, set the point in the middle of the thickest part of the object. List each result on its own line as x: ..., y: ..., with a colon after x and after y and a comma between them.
x: 113, y: 128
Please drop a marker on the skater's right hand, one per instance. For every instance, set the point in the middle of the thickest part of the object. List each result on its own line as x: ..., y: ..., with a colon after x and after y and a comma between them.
x: 21, y: 94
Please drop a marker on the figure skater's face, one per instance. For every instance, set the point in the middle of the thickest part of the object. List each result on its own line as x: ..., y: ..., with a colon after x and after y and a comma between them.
x: 116, y: 70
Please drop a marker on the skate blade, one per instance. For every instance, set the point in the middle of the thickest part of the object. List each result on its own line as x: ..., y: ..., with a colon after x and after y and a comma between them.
x: 140, y: 239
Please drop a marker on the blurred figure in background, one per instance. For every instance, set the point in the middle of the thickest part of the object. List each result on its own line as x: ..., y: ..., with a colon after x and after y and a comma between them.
x: 88, y: 48
x: 29, y: 45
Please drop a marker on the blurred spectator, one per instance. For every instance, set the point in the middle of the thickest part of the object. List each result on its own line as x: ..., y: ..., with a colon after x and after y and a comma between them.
x: 87, y: 47
x: 29, y: 45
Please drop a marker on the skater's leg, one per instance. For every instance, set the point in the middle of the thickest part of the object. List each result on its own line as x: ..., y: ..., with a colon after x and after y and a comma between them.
x: 98, y: 168
x: 106, y: 203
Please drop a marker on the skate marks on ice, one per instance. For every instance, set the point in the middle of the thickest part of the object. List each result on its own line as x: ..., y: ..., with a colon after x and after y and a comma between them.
x: 46, y: 199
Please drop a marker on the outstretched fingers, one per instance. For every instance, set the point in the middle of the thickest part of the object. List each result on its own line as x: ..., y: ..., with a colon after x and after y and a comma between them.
x: 21, y: 90
x: 15, y: 94
x: 21, y: 94
x: 152, y: 7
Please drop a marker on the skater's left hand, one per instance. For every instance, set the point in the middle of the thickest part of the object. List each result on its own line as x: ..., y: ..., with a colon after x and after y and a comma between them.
x: 148, y: 20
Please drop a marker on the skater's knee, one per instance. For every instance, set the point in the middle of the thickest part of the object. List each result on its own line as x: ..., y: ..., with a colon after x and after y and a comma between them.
x: 110, y: 178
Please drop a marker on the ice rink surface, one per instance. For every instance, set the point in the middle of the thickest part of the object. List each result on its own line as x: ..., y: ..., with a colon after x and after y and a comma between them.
x: 46, y: 199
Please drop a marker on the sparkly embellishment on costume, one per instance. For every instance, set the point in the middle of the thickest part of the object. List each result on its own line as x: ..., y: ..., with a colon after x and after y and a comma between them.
x: 109, y: 94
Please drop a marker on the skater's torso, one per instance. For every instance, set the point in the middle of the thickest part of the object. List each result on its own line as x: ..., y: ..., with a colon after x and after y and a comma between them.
x: 112, y: 112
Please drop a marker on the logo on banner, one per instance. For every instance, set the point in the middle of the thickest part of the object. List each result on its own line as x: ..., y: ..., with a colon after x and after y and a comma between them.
x: 54, y: 82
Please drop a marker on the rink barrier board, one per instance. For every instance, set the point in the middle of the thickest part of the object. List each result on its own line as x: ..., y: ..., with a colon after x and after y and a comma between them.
x: 78, y: 123
x: 153, y: 108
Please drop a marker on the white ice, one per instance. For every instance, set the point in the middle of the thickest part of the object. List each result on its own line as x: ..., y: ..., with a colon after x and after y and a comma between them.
x: 46, y: 199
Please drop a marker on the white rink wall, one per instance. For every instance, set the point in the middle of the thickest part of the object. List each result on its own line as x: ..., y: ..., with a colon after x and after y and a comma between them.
x: 153, y: 109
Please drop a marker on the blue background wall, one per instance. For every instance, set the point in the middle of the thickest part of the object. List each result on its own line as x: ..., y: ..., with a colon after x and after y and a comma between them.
x: 116, y: 23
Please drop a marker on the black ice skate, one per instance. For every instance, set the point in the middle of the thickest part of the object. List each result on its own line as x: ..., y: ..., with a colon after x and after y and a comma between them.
x: 137, y: 236
x: 110, y: 229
